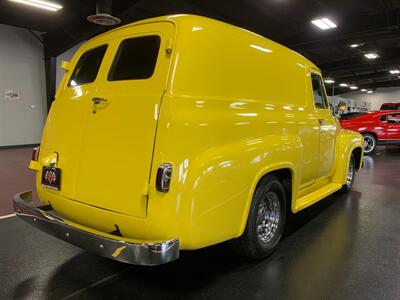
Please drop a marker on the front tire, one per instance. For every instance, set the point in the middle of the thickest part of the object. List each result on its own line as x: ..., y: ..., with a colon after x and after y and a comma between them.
x: 350, y: 175
x: 369, y: 143
x: 266, y: 220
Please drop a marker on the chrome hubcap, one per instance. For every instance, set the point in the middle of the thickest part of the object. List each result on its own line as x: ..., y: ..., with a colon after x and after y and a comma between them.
x: 350, y: 174
x: 368, y: 144
x: 268, y: 217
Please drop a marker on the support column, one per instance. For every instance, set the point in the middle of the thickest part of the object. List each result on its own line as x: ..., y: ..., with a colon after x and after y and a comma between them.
x: 50, y: 67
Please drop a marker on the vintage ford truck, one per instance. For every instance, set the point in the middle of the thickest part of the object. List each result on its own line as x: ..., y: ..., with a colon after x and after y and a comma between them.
x: 180, y: 132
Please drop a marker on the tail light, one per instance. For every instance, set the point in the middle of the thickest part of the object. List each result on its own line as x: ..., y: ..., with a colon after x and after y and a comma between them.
x: 35, y: 153
x: 163, y: 178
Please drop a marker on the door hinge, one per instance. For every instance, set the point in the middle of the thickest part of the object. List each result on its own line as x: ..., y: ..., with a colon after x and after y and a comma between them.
x: 145, y: 191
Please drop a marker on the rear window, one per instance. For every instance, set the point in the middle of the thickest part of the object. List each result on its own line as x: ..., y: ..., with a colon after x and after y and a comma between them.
x: 88, y: 66
x: 136, y: 59
x: 390, y: 106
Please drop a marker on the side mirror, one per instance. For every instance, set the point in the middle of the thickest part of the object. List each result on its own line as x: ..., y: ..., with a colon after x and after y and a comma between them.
x: 65, y: 65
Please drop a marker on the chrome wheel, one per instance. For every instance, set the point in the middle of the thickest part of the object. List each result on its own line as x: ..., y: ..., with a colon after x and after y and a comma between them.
x: 350, y: 174
x: 268, y: 217
x: 369, y: 144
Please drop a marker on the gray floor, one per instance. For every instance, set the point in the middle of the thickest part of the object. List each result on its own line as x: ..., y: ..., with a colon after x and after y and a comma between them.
x: 345, y: 247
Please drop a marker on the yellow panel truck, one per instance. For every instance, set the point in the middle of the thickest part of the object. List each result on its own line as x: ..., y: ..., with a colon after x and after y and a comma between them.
x: 180, y: 132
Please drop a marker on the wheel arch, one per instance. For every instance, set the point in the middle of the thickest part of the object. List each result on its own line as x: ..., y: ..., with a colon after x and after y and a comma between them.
x: 370, y: 132
x: 358, y: 154
x: 286, y: 173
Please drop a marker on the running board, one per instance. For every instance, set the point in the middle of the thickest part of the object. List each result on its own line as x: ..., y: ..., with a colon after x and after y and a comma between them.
x: 316, y: 196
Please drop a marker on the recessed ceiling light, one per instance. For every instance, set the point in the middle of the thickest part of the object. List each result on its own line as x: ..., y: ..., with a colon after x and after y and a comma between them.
x: 353, y: 87
x: 323, y: 23
x: 329, y: 81
x: 355, y: 45
x: 369, y: 92
x: 363, y: 90
x: 40, y: 4
x: 344, y: 84
x: 394, y: 71
x: 371, y: 55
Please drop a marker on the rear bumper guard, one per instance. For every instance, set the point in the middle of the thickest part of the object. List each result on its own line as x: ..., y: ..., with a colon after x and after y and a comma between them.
x: 117, y: 248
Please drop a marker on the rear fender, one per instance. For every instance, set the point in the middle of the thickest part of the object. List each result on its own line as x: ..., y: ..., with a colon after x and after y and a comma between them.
x: 221, y: 183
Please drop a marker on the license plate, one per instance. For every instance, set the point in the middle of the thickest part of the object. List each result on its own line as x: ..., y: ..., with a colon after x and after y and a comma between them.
x: 51, y: 178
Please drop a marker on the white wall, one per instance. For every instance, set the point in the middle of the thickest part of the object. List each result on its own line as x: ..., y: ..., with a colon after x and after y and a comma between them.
x: 67, y: 55
x: 376, y: 99
x: 22, y: 69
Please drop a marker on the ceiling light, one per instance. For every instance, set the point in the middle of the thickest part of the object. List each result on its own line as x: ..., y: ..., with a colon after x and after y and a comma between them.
x: 329, y: 81
x: 371, y: 55
x: 363, y: 90
x: 369, y: 92
x: 355, y: 45
x: 353, y: 87
x: 344, y: 84
x: 394, y: 71
x: 324, y: 23
x: 40, y: 4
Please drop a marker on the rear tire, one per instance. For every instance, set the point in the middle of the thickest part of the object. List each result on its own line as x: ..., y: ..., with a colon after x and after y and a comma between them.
x: 350, y: 175
x: 369, y: 143
x: 266, y: 220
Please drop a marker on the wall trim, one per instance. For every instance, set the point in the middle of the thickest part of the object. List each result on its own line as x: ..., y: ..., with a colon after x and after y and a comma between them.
x: 18, y: 146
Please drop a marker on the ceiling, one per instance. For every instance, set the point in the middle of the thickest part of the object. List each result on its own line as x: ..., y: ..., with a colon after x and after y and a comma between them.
x: 373, y: 23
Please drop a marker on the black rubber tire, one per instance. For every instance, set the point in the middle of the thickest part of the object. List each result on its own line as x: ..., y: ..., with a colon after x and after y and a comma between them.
x: 249, y: 243
x: 371, y: 136
x: 347, y: 186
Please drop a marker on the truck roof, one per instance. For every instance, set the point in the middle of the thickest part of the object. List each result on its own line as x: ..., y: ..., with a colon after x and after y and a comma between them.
x: 183, y: 20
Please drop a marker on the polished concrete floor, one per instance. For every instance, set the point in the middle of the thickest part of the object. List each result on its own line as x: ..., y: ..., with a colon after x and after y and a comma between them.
x: 345, y: 247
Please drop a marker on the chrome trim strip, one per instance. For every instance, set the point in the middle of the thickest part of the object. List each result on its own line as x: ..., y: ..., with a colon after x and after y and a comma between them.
x: 148, y: 254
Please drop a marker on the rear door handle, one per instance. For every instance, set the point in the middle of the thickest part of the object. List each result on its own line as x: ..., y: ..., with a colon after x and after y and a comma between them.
x: 97, y: 100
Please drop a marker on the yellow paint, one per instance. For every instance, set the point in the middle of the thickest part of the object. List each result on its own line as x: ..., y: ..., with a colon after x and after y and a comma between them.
x: 118, y: 251
x: 224, y: 107
x: 35, y: 165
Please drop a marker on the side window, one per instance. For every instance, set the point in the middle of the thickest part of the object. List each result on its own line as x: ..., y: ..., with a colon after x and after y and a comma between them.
x: 136, y: 58
x: 393, y: 119
x: 384, y: 119
x: 88, y: 66
x: 320, y: 99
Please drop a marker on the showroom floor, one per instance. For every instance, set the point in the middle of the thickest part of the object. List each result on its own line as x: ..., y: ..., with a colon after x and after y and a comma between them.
x: 345, y: 247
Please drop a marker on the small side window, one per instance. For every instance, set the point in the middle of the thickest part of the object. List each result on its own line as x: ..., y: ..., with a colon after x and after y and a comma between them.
x: 393, y: 119
x: 88, y: 66
x: 320, y: 99
x: 136, y: 58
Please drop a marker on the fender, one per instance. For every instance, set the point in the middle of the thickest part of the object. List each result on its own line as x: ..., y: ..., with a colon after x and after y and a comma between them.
x: 236, y: 168
x: 346, y: 142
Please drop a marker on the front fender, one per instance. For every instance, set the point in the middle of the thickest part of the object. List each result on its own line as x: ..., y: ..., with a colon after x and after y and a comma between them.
x: 346, y: 142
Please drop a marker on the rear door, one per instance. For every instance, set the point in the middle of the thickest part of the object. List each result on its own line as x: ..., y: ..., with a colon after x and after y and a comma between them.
x: 117, y: 147
x: 64, y: 127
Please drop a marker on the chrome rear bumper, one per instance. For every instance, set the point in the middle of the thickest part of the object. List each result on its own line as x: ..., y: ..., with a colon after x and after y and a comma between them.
x: 117, y: 248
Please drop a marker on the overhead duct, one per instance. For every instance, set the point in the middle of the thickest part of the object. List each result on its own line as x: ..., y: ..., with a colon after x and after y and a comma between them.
x: 103, y: 14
